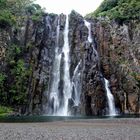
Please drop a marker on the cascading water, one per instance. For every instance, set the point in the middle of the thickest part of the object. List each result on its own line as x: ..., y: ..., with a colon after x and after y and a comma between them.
x: 88, y: 25
x: 112, y: 110
x: 111, y: 105
x: 56, y: 78
x: 76, y: 82
x: 56, y: 107
x: 67, y: 82
x: 90, y: 39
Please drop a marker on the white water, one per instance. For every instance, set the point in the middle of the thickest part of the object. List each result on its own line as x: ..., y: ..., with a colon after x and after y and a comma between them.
x: 67, y: 83
x: 112, y: 110
x: 90, y: 39
x: 88, y: 25
x: 77, y: 85
x: 111, y: 105
x: 56, y: 77
x: 67, y: 90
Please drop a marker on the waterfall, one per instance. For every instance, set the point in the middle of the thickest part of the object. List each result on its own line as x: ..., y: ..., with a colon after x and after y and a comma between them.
x: 60, y: 101
x: 112, y: 111
x: 90, y: 39
x: 76, y: 82
x: 111, y: 105
x: 67, y: 82
x: 56, y: 107
x: 88, y: 25
x: 54, y: 98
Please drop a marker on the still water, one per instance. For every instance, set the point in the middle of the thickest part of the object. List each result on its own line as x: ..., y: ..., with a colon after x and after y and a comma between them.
x: 59, y: 118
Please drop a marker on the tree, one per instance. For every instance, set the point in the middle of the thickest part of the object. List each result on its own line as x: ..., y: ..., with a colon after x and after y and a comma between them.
x: 118, y: 9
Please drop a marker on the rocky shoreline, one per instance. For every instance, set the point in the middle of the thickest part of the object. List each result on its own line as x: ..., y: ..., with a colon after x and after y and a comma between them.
x: 97, y: 129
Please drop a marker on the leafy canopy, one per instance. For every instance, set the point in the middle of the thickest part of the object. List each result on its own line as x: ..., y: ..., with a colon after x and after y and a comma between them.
x: 118, y: 9
x: 13, y: 11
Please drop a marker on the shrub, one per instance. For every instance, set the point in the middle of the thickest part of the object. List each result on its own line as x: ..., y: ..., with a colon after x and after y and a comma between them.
x: 5, y: 110
x: 2, y: 79
x: 118, y: 9
x: 6, y: 19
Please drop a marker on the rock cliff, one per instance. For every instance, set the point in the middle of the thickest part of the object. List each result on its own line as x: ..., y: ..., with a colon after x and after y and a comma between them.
x: 119, y: 51
x: 116, y: 56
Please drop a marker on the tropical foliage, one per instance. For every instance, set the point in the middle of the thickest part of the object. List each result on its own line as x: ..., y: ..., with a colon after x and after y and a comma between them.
x: 5, y: 110
x: 118, y: 9
x: 15, y: 14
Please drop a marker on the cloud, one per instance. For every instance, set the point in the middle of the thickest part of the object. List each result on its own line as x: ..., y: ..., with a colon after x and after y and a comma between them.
x: 65, y: 6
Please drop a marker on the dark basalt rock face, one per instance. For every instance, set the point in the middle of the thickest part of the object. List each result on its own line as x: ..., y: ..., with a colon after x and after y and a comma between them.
x: 43, y: 55
x: 4, y: 42
x: 93, y: 96
x: 46, y: 52
x: 119, y: 50
x: 118, y: 59
x: 93, y: 92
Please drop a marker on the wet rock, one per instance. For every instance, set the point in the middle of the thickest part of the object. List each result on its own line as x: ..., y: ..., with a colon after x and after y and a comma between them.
x: 113, y: 54
x: 119, y: 57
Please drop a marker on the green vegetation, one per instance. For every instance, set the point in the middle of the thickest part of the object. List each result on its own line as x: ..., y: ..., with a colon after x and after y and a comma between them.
x: 14, y: 93
x: 4, y: 111
x: 18, y: 86
x: 36, y: 12
x: 14, y: 77
x: 2, y: 79
x: 14, y: 12
x: 118, y: 9
x: 6, y: 19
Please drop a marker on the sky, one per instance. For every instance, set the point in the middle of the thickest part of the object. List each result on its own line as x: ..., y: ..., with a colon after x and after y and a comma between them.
x: 65, y: 6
